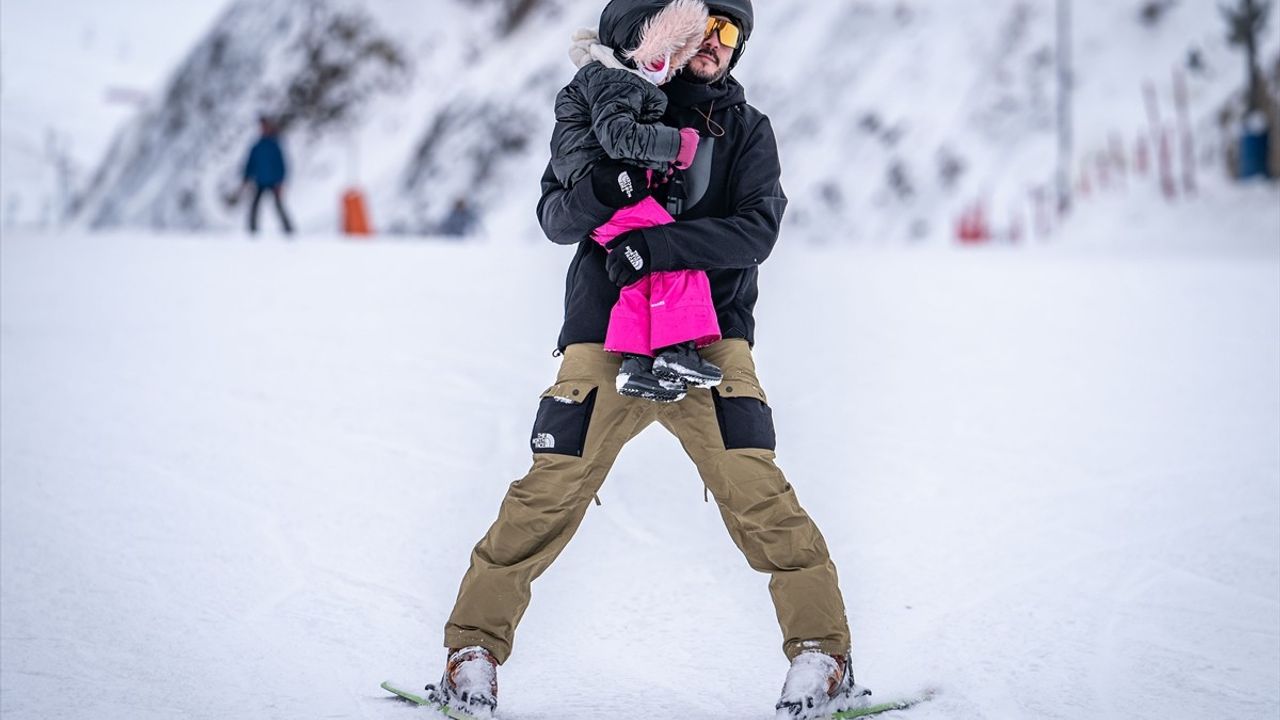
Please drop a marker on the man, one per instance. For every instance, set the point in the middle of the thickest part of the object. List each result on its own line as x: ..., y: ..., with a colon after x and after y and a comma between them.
x: 265, y: 170
x: 728, y: 206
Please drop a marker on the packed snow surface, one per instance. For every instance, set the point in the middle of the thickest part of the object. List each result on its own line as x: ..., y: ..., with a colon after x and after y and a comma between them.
x: 241, y: 479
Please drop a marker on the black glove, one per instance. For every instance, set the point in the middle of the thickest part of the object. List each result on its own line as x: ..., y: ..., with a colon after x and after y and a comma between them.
x: 629, y: 258
x: 619, y: 185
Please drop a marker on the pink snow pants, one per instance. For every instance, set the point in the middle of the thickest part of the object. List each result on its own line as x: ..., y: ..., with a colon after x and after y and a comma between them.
x: 661, y: 308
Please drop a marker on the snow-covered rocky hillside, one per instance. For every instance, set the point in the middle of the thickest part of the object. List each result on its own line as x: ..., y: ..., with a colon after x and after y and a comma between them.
x: 74, y: 72
x: 311, y: 65
x: 892, y: 115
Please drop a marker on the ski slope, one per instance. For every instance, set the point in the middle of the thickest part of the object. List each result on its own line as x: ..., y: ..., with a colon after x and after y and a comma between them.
x: 241, y: 479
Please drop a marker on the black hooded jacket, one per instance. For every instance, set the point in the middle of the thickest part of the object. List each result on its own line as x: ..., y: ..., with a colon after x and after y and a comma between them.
x: 726, y: 224
x: 609, y: 112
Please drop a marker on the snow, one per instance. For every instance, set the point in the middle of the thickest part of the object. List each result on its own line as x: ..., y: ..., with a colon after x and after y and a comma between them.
x: 809, y: 678
x: 242, y: 478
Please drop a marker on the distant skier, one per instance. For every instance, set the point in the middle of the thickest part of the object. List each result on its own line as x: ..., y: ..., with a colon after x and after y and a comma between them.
x: 727, y: 205
x: 460, y: 222
x: 265, y: 170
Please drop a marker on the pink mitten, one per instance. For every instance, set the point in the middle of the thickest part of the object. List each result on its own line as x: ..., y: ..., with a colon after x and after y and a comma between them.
x: 688, y: 148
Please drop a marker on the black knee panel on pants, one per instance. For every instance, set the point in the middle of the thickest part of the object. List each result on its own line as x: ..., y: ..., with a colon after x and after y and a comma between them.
x: 745, y: 422
x: 562, y: 422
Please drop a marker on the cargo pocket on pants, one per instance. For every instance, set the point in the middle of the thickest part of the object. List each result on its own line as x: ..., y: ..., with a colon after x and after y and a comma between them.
x: 564, y: 415
x: 746, y: 421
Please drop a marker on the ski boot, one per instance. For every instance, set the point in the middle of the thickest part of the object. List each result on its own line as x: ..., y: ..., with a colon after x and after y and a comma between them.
x: 682, y: 362
x: 817, y: 686
x: 469, y: 688
x: 636, y: 379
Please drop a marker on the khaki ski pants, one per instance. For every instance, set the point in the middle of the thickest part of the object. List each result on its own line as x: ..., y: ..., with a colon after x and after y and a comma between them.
x: 581, y: 426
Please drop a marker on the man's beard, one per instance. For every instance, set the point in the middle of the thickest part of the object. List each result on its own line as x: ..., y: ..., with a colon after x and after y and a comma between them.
x: 688, y: 75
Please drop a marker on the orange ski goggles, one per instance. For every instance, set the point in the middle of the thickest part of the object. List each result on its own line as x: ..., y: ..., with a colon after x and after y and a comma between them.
x: 730, y: 34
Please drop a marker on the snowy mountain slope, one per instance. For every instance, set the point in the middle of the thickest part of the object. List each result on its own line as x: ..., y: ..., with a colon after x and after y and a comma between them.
x: 241, y: 480
x: 314, y: 66
x: 73, y: 72
x: 892, y: 114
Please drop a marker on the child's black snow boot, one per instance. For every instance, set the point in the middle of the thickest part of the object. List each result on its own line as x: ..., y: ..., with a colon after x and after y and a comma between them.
x: 636, y: 379
x: 682, y: 362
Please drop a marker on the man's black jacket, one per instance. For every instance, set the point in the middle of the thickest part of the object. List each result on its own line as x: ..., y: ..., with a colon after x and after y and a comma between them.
x: 728, y: 225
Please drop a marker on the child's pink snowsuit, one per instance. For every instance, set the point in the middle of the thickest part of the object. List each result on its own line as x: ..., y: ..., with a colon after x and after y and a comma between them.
x: 661, y: 308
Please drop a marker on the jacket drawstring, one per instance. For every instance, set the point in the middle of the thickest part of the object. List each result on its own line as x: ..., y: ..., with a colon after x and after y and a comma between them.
x: 713, y: 128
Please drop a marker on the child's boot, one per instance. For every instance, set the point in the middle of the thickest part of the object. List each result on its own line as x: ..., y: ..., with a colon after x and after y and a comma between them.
x: 636, y: 379
x: 682, y: 362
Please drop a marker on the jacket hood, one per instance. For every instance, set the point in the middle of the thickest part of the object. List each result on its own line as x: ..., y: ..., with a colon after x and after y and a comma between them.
x: 726, y: 93
x: 671, y: 36
x: 649, y: 28
x: 585, y: 48
x: 622, y: 21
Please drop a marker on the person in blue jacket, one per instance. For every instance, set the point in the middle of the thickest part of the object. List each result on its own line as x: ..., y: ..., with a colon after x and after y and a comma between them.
x: 265, y: 169
x: 460, y: 222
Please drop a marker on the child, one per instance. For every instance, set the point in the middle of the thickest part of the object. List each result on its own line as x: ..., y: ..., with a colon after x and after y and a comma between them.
x: 611, y: 109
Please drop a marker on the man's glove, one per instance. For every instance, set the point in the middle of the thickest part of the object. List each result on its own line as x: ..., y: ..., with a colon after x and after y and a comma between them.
x: 618, y: 184
x: 628, y: 259
x: 688, y: 148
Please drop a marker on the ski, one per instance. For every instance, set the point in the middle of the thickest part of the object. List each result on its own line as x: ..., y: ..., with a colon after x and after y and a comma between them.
x: 849, y: 714
x: 423, y: 701
x: 879, y: 708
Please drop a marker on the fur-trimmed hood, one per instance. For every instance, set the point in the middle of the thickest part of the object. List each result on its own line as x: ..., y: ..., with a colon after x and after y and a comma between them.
x: 643, y: 33
x: 674, y: 33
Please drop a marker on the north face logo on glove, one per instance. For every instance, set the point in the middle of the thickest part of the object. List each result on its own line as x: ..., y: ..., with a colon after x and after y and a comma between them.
x: 624, y: 182
x: 634, y: 258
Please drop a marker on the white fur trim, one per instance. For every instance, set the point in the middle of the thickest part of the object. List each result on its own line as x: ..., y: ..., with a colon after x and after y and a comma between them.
x: 675, y: 31
x: 586, y: 49
x: 603, y: 54
x: 659, y: 76
x: 580, y: 48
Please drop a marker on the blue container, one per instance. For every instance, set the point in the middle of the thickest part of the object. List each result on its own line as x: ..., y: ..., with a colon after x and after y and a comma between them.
x: 1255, y: 148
